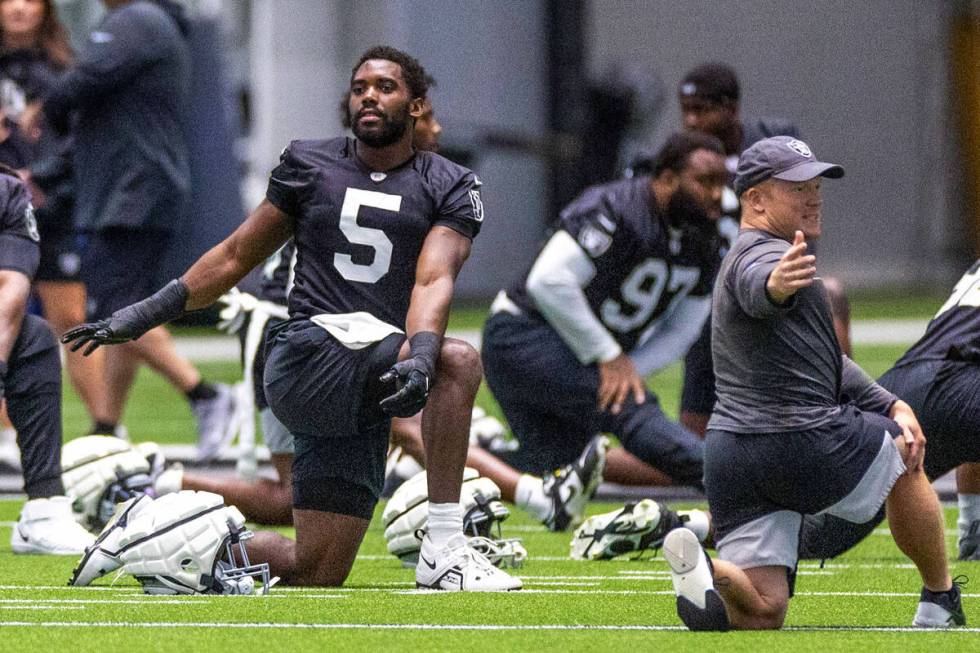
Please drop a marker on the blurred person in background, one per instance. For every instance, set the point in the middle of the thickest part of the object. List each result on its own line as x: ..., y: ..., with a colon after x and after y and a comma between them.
x: 124, y: 101
x: 34, y: 51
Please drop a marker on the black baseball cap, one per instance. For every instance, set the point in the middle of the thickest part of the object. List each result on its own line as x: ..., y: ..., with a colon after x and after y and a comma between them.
x: 714, y: 82
x: 780, y: 157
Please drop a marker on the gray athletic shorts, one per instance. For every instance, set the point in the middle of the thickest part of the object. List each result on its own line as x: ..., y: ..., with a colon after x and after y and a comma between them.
x: 759, y: 486
x: 277, y: 437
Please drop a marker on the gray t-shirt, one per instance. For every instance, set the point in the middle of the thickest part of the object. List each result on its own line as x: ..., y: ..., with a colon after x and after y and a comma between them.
x: 778, y: 368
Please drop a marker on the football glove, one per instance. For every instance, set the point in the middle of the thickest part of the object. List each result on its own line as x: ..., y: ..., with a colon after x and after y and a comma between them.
x: 131, y: 322
x: 412, y: 377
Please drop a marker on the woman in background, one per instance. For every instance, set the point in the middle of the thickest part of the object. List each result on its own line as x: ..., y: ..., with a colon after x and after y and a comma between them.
x: 34, y: 50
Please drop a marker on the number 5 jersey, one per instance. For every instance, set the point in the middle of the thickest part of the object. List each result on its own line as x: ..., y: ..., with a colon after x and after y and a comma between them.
x: 358, y: 232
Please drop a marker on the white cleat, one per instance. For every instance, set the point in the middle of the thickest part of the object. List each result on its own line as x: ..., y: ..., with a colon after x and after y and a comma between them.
x: 457, y: 567
x: 569, y: 488
x: 48, y: 526
x: 698, y: 603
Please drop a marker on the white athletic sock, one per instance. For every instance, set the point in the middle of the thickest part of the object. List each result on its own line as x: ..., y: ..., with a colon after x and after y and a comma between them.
x: 445, y: 521
x: 529, y: 496
x: 969, y: 511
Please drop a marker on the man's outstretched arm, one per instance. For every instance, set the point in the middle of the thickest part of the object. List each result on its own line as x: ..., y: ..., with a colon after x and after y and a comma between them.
x: 207, y: 279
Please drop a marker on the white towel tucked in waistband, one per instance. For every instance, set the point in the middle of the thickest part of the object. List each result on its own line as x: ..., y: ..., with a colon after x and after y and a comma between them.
x: 355, y: 330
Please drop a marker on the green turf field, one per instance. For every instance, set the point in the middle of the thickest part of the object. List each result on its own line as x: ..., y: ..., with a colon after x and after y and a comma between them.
x: 862, y: 600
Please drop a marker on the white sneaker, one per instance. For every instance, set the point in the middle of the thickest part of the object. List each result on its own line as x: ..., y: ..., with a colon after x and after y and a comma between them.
x: 458, y: 568
x: 570, y: 487
x: 48, y: 526
x: 216, y: 421
x: 698, y: 603
x: 103, y: 556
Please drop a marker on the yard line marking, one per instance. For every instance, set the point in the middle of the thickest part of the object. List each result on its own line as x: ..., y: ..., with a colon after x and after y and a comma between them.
x: 42, y: 607
x: 104, y: 601
x: 437, y: 627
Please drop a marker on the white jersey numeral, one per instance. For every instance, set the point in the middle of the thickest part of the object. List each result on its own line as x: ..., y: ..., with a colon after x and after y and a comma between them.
x: 376, y: 239
x: 966, y: 292
x: 642, y: 291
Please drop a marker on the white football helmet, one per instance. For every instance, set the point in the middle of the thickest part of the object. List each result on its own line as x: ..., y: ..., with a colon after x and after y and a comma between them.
x: 406, y: 518
x: 181, y: 543
x: 100, y: 471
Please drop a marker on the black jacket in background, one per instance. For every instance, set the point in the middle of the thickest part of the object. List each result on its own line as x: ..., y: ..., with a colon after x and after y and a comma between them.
x: 124, y: 101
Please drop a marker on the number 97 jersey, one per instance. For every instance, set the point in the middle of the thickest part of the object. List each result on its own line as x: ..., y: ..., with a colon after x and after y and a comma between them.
x: 644, y: 267
x: 358, y: 232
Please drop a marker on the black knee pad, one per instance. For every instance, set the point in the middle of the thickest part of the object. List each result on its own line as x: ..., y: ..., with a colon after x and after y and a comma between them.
x: 34, y: 360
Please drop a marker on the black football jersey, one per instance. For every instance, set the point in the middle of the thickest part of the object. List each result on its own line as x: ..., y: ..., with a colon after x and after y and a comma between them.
x: 643, y: 265
x: 954, y: 332
x: 18, y: 228
x: 358, y: 233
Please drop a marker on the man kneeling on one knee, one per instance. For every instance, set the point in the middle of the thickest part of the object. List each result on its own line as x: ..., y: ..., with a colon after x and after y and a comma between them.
x: 798, y: 427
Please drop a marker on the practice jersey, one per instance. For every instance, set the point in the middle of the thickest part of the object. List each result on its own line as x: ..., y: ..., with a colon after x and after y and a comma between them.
x: 644, y: 267
x: 954, y: 332
x: 18, y: 228
x: 358, y: 232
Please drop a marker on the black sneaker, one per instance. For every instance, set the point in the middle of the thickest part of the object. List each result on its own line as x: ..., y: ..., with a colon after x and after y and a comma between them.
x: 970, y: 543
x: 941, y: 609
x: 571, y: 486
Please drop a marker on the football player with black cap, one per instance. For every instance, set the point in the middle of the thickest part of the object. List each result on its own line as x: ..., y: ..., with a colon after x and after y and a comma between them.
x: 798, y: 428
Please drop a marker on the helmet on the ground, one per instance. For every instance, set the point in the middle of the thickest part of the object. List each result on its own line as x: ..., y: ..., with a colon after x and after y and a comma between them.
x: 99, y: 472
x: 406, y: 518
x: 190, y: 543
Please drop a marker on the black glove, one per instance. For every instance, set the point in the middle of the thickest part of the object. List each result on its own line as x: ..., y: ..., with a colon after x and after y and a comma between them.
x: 3, y: 374
x: 413, y: 376
x: 131, y: 322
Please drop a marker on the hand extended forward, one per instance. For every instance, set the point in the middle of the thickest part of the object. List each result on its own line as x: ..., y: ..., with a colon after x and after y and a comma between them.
x: 795, y: 270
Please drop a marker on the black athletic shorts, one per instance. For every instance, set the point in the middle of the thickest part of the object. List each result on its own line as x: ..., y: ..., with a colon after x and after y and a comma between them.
x: 945, y: 396
x: 549, y: 400
x: 759, y: 486
x: 327, y: 396
x: 61, y: 259
x: 119, y: 267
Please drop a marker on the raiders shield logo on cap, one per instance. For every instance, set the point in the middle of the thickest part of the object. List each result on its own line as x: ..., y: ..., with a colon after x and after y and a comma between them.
x: 800, y: 148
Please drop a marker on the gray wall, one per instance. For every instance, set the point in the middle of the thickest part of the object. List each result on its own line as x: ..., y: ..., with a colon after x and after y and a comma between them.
x: 867, y: 83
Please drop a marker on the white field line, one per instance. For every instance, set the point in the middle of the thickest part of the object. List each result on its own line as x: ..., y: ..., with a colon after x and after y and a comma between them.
x: 437, y: 627
x: 100, y: 601
x: 42, y: 607
x: 341, y: 592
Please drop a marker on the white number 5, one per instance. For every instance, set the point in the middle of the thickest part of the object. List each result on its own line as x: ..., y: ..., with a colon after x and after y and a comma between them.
x: 354, y: 199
